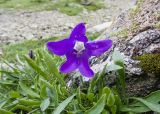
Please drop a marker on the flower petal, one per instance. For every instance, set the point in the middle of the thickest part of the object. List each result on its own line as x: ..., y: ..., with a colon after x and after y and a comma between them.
x: 71, y: 63
x: 97, y: 48
x: 60, y: 47
x: 85, y: 69
x: 68, y: 66
x: 79, y: 33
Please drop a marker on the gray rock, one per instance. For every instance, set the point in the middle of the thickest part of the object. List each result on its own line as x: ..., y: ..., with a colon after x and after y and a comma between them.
x: 142, y: 43
x: 138, y: 82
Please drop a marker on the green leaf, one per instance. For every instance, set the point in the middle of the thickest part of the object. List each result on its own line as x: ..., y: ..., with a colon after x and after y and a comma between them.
x: 36, y: 67
x: 117, y: 100
x: 79, y: 95
x: 2, y: 111
x: 105, y: 112
x: 49, y: 63
x: 47, y: 83
x: 150, y: 102
x: 138, y: 109
x: 28, y: 90
x: 29, y: 102
x: 2, y: 103
x: 90, y: 97
x: 52, y: 93
x: 92, y: 83
x: 110, y: 100
x: 43, y: 92
x: 14, y: 94
x: 114, y: 109
x: 58, y: 88
x: 52, y: 68
x: 153, y: 106
x: 63, y: 105
x: 113, y: 67
x: 21, y: 107
x: 120, y: 82
x: 118, y: 59
x: 5, y: 82
x: 98, y: 107
x: 107, y: 91
x: 44, y: 105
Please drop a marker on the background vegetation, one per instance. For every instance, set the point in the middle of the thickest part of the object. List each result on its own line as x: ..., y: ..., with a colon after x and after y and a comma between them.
x: 35, y: 86
x: 12, y: 50
x: 70, y: 7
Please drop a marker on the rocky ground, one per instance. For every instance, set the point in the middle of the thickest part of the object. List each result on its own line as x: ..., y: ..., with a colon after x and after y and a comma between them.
x: 23, y: 25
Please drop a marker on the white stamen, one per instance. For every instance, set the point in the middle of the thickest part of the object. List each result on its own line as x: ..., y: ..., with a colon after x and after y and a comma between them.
x: 79, y: 46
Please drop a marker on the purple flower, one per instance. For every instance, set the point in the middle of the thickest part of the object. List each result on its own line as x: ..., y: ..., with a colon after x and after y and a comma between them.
x: 78, y: 50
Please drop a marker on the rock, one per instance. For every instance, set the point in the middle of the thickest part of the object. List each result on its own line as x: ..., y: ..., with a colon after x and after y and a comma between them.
x: 145, y: 39
x: 139, y: 83
x: 145, y: 42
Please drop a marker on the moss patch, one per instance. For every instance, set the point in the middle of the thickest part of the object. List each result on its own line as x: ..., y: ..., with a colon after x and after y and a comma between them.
x: 136, y: 9
x: 157, y: 26
x: 150, y: 63
x: 134, y: 27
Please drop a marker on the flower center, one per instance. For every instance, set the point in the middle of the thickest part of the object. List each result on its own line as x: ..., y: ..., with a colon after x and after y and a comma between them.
x: 79, y: 46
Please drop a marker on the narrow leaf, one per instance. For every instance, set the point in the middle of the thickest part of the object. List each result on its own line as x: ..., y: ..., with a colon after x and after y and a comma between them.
x: 113, y: 67
x: 28, y: 102
x: 2, y: 111
x: 28, y: 90
x: 118, y: 59
x: 152, y: 100
x: 152, y: 106
x: 44, y: 105
x: 36, y: 67
x: 63, y: 105
x: 98, y: 107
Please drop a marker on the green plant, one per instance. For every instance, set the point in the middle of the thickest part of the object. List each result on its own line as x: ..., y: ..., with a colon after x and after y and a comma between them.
x: 10, y: 51
x: 35, y: 86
